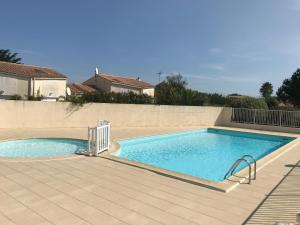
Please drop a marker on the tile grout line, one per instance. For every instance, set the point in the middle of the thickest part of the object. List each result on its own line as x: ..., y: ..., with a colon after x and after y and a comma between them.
x: 146, y: 194
x: 186, y: 199
x: 72, y: 198
x: 47, y: 200
x: 115, y: 202
x: 27, y: 207
x: 7, y: 218
x: 146, y: 185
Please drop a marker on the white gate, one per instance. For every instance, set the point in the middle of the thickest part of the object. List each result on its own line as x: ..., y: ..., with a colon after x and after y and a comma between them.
x: 99, y: 138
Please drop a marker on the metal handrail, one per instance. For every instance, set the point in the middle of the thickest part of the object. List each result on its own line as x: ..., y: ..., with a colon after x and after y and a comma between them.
x: 254, y: 161
x: 280, y: 118
x: 237, y: 163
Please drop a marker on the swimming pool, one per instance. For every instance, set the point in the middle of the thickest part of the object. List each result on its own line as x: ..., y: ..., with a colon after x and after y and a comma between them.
x: 205, y: 153
x: 41, y: 147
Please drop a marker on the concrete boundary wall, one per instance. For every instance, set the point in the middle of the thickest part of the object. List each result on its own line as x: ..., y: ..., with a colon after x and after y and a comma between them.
x: 31, y: 114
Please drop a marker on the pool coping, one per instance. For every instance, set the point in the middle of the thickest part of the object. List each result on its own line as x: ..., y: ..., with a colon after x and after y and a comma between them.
x: 224, y: 186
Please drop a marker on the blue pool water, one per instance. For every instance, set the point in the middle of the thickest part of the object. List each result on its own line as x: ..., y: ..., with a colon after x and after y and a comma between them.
x: 41, y: 147
x: 205, y: 153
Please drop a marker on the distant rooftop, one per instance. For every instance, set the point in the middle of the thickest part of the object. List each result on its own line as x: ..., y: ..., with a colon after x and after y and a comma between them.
x: 78, y: 88
x: 29, y: 70
x: 133, y: 82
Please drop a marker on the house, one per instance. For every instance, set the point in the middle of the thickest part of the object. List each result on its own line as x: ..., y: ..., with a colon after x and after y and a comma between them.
x: 117, y: 84
x: 28, y: 80
x: 79, y: 89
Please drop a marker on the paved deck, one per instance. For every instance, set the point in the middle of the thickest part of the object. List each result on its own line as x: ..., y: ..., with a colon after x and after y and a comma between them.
x: 93, y: 190
x: 283, y: 203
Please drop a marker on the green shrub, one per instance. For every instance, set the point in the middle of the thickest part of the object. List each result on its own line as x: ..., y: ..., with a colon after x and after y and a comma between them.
x: 248, y: 102
x: 35, y: 98
x: 272, y: 102
x: 218, y: 100
x: 192, y: 97
x: 15, y: 97
x: 102, y: 97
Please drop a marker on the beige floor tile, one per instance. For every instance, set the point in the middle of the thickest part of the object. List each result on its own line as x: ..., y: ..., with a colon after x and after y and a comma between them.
x: 24, y: 216
x: 5, y: 220
x: 86, y: 190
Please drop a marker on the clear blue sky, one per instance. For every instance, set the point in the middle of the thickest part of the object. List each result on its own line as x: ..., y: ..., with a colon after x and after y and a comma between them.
x: 219, y: 46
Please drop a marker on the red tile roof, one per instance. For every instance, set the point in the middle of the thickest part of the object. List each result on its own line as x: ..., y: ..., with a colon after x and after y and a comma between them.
x: 126, y: 81
x: 29, y: 70
x: 77, y: 88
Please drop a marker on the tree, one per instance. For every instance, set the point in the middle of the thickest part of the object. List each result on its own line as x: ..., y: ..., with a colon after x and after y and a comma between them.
x: 196, y: 98
x: 290, y: 89
x: 7, y: 56
x: 174, y: 91
x: 171, y: 91
x: 219, y: 100
x: 266, y: 90
x: 234, y: 95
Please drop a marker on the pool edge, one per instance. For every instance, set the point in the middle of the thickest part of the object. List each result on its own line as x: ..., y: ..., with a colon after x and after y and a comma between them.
x: 224, y: 186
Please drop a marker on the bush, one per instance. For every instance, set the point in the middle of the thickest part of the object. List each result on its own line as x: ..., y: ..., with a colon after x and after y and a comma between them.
x: 15, y: 97
x: 102, y: 97
x: 248, y: 102
x: 272, y: 102
x: 33, y: 98
x: 194, y: 98
x: 187, y: 97
x: 218, y: 100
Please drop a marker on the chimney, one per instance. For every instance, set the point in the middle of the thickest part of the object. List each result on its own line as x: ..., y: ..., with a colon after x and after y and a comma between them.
x: 96, y: 71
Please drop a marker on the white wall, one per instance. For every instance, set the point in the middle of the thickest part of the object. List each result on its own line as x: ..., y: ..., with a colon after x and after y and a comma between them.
x: 19, y: 114
x: 13, y: 85
x: 99, y: 83
x: 149, y: 91
x: 47, y: 86
x: 124, y: 89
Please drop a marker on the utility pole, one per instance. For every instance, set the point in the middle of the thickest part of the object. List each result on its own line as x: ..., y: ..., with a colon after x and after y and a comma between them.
x: 159, y: 76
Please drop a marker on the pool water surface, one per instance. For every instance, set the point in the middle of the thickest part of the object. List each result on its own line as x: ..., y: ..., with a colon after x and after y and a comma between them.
x: 41, y: 147
x: 205, y: 153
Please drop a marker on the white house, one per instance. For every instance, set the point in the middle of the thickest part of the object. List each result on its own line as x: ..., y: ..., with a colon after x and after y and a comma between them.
x: 112, y: 83
x: 28, y: 80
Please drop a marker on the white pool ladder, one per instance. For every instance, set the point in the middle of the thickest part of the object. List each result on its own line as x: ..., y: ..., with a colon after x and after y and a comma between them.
x: 245, y: 159
x: 99, y: 138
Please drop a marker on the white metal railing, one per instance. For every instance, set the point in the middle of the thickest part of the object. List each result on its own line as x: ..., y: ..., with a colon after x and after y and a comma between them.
x: 99, y: 138
x: 266, y: 117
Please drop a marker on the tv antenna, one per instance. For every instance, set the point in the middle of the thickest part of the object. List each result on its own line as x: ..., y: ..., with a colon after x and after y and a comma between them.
x: 159, y: 76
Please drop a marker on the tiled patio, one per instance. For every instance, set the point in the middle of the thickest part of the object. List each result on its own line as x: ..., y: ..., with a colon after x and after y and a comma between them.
x: 283, y: 203
x: 90, y: 190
